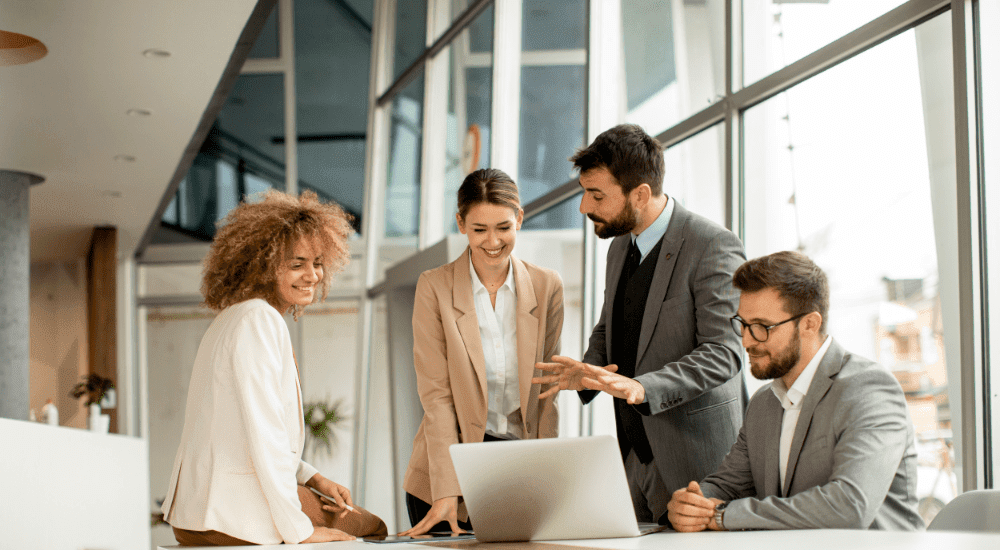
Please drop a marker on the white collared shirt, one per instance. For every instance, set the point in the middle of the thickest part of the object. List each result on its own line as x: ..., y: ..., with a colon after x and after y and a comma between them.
x: 646, y: 240
x: 498, y: 333
x: 791, y: 400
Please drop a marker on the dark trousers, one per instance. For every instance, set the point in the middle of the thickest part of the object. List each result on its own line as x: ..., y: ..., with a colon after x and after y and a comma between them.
x: 417, y: 508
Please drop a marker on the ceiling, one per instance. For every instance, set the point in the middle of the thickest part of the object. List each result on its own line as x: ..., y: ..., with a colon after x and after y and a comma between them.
x: 66, y: 117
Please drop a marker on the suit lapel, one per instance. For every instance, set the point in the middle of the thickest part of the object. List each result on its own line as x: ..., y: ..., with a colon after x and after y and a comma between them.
x: 820, y: 384
x: 527, y: 333
x: 772, y: 444
x: 672, y: 241
x: 616, y: 261
x: 468, y: 324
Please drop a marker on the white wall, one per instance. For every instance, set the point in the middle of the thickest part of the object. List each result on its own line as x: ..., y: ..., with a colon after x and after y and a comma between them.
x: 72, y: 489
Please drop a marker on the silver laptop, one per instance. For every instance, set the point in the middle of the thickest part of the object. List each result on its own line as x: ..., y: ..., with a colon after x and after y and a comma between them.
x: 547, y: 489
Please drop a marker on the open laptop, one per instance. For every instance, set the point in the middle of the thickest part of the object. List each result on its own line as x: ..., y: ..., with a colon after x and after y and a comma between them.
x: 547, y: 489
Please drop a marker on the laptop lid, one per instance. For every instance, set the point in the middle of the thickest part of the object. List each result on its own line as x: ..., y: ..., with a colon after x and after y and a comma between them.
x: 545, y: 489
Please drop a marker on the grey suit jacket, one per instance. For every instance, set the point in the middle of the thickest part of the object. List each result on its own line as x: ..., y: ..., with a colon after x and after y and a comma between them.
x: 689, y: 358
x: 852, y: 463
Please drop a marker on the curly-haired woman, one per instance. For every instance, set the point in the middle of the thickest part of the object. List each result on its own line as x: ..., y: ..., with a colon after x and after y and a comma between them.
x: 238, y: 477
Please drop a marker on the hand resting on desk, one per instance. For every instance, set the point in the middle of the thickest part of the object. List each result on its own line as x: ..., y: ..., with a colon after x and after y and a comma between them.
x: 689, y: 511
x: 443, y: 509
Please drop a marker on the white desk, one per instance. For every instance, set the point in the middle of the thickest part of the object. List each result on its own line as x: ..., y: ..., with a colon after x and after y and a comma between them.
x: 748, y: 540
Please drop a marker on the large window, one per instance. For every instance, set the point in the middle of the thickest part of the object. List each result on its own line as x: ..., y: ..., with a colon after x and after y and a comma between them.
x: 402, y: 203
x: 989, y: 35
x: 862, y: 191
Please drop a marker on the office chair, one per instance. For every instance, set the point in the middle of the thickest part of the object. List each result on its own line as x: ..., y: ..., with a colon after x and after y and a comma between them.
x: 970, y: 511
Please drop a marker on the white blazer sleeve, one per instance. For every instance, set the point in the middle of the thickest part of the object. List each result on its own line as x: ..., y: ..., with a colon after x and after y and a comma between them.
x: 257, y: 366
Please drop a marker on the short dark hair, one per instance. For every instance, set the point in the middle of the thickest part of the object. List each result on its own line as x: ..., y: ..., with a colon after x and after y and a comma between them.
x: 488, y: 185
x: 798, y: 280
x: 631, y: 155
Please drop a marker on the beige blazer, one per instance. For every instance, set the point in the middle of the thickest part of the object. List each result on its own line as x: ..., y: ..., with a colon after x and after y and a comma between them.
x: 451, y: 368
x: 239, y: 463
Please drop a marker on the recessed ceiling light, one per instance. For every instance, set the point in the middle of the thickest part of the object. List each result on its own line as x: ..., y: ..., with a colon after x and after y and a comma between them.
x: 124, y: 158
x: 139, y: 112
x: 155, y: 53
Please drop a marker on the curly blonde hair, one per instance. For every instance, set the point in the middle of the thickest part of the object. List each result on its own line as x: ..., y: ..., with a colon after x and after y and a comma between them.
x: 254, y: 239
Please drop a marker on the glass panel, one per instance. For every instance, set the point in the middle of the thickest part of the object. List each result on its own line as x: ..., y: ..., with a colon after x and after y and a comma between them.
x: 267, y: 44
x: 169, y: 280
x: 674, y: 54
x: 694, y: 174
x: 553, y: 25
x: 552, y: 129
x: 777, y: 33
x: 855, y: 168
x: 562, y: 250
x: 402, y: 201
x: 243, y: 153
x: 469, y: 114
x: 989, y: 36
x: 332, y: 57
x: 411, y: 34
x: 480, y: 31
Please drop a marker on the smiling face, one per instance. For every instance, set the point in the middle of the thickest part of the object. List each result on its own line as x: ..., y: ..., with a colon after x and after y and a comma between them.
x: 605, y: 204
x: 492, y: 231
x: 299, y: 276
x: 783, y: 349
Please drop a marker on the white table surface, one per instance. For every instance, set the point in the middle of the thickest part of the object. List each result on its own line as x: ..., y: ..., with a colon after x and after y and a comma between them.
x: 828, y: 539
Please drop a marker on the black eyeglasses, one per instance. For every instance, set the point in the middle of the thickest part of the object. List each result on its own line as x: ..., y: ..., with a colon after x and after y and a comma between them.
x: 758, y: 331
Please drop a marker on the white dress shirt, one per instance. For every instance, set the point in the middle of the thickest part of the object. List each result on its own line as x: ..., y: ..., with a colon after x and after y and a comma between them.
x: 498, y: 334
x: 791, y: 400
x: 646, y: 240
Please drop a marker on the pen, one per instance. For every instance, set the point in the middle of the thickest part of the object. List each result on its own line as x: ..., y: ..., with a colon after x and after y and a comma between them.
x: 346, y: 505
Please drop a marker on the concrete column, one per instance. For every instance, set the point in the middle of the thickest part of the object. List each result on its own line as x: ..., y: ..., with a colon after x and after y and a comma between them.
x: 15, y: 259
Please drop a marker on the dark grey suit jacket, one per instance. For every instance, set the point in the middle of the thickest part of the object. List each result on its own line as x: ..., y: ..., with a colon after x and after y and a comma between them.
x: 688, y: 358
x: 852, y: 463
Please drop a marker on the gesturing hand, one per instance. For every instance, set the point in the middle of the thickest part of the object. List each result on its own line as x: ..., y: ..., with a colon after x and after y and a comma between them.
x: 443, y: 509
x: 575, y: 375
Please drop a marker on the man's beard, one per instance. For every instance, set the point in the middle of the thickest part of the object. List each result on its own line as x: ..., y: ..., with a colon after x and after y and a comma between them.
x: 624, y: 222
x: 781, y: 363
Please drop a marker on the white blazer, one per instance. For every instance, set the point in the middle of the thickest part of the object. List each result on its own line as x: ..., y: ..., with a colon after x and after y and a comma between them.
x: 239, y: 462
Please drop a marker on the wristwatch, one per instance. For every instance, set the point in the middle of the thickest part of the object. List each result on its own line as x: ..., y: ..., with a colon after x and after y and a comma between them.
x: 720, y: 510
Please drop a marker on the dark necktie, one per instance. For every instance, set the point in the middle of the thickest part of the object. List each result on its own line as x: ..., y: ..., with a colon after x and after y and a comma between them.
x: 632, y: 260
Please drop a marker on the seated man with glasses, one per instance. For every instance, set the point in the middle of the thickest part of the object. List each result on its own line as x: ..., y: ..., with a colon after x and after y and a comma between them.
x: 828, y: 444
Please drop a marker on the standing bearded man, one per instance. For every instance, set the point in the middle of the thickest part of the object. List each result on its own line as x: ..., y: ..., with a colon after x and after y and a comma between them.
x: 663, y: 346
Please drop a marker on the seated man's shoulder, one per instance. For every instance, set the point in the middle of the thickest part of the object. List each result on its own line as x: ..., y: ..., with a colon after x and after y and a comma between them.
x: 861, y: 380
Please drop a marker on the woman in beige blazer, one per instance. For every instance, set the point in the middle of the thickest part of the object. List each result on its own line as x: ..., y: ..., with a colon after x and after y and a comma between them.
x: 239, y: 477
x: 480, y: 324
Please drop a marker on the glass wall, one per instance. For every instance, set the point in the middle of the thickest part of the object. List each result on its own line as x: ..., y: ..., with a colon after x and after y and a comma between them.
x: 845, y: 147
x: 470, y: 103
x: 674, y: 55
x: 855, y: 190
x: 402, y: 202
x: 777, y: 34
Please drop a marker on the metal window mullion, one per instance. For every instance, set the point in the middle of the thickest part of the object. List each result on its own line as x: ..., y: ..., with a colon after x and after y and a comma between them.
x: 882, y: 28
x: 287, y: 40
x: 970, y: 277
x: 506, y: 108
x: 435, y: 131
x: 411, y: 72
x: 376, y: 157
x: 734, y: 71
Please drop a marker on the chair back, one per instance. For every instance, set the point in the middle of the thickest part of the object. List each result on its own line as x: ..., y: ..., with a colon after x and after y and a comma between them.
x: 970, y: 511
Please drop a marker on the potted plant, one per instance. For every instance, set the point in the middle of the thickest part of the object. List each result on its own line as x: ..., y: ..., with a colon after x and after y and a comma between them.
x: 321, y: 419
x: 96, y: 388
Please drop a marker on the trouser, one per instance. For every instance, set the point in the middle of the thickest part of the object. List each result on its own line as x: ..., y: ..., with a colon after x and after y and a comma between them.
x: 360, y: 523
x: 417, y: 508
x: 649, y: 495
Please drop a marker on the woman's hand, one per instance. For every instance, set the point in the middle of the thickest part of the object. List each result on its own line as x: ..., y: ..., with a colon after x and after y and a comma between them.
x: 443, y: 509
x: 325, y: 534
x: 340, y: 498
